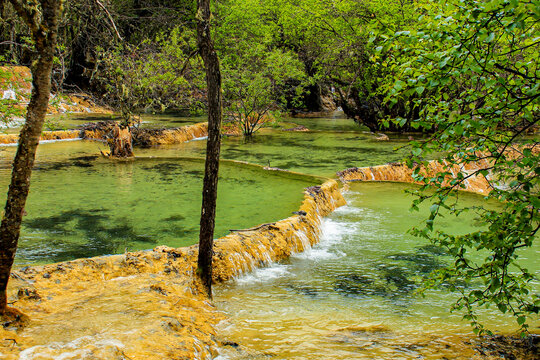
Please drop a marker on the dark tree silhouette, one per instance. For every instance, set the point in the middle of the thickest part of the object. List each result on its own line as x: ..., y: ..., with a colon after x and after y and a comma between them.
x: 213, y: 80
x: 42, y: 19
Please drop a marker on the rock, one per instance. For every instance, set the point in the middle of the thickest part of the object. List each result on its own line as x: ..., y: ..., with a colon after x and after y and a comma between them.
x: 28, y: 294
x: 365, y: 328
x: 298, y: 128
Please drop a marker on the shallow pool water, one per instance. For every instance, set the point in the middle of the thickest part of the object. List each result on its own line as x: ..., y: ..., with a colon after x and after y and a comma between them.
x: 168, y: 120
x: 320, y: 153
x: 85, y: 205
x: 353, y: 295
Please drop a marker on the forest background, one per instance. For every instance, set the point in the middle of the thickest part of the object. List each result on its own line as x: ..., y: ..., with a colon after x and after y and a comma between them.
x: 275, y: 55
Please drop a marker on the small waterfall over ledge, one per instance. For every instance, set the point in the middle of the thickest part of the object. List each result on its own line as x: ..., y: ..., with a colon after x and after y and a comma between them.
x: 245, y: 250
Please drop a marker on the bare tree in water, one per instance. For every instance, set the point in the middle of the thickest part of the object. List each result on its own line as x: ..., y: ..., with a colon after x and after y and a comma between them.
x: 213, y: 80
x: 41, y: 17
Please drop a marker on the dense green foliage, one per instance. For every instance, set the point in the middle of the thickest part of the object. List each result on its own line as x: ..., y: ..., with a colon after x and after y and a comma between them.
x: 158, y: 74
x: 327, y: 45
x: 258, y: 75
x: 476, y: 65
x: 291, y: 55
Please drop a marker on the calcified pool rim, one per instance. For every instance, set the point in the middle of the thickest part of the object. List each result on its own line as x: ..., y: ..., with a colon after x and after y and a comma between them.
x: 87, y: 300
x: 151, y: 136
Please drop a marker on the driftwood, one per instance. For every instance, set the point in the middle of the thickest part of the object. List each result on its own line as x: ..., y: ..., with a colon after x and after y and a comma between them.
x: 254, y: 228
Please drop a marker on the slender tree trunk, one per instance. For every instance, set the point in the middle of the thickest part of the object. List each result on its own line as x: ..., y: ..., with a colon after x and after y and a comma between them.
x: 44, y: 33
x: 213, y: 80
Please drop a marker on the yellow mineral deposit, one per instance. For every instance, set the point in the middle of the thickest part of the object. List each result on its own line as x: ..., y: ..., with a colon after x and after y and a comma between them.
x: 401, y: 173
x: 180, y: 135
x: 244, y: 251
x: 46, y: 135
x: 146, y: 304
x: 162, y: 137
x: 19, y: 80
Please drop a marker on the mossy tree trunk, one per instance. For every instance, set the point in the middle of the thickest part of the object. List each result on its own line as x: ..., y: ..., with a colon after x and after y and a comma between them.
x: 42, y: 19
x: 213, y: 80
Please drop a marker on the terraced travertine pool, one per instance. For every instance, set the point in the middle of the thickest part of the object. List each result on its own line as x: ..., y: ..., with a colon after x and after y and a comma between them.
x: 81, y: 204
x: 351, y: 297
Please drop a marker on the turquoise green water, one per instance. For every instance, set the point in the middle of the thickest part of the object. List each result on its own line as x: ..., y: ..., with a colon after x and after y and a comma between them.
x: 333, y: 144
x: 81, y: 205
x: 316, y: 153
x: 353, y: 295
x: 336, y: 122
x: 72, y: 121
x: 84, y: 205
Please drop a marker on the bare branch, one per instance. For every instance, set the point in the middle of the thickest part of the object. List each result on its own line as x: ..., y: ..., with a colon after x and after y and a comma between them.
x: 110, y: 19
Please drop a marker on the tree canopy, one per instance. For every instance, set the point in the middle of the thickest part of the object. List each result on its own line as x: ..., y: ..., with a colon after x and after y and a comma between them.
x: 475, y: 67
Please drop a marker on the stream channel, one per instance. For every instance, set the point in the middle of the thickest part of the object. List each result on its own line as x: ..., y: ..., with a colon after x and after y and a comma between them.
x: 350, y: 297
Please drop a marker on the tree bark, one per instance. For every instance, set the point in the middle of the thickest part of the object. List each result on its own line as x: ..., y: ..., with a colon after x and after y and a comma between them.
x: 44, y: 32
x: 213, y: 80
x: 121, y: 142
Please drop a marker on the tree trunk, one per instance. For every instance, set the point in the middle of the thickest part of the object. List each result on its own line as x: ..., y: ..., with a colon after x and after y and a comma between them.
x: 121, y: 142
x: 44, y: 33
x: 208, y: 209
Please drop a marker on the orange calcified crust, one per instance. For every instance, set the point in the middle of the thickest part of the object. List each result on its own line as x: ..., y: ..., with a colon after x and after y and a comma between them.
x: 46, y: 135
x: 401, y: 173
x: 19, y: 79
x: 180, y: 135
x: 164, y: 137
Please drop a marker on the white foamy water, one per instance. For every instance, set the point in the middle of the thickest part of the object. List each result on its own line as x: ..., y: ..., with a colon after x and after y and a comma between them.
x: 319, y: 253
x: 262, y: 275
x: 80, y: 348
x: 332, y: 233
x: 334, y: 230
x: 44, y: 142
